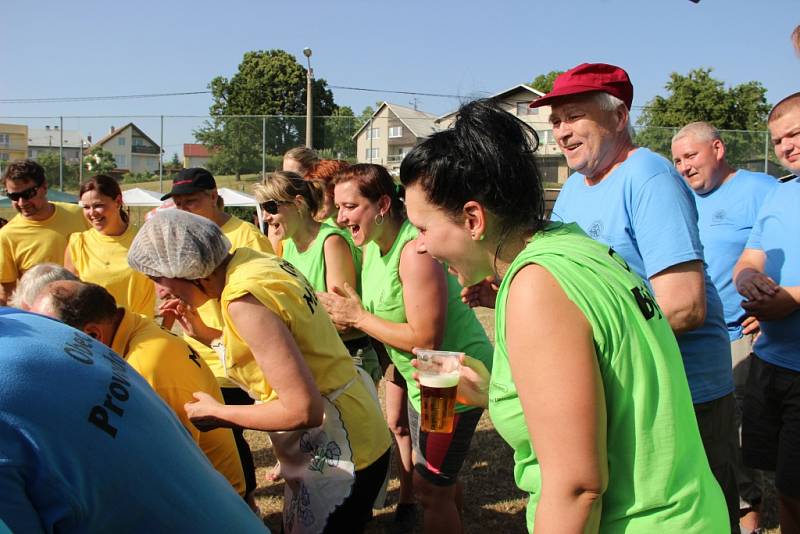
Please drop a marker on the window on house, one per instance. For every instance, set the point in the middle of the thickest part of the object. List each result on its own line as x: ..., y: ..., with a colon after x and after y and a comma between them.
x: 396, y: 131
x: 3, y: 156
x: 4, y: 139
x: 373, y: 133
x: 373, y: 153
x: 121, y: 141
x: 121, y: 161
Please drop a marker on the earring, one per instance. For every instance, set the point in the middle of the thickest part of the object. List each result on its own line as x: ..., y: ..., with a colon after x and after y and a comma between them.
x: 379, y: 219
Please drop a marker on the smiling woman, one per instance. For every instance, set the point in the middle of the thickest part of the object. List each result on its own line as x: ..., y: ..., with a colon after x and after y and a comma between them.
x: 100, y: 254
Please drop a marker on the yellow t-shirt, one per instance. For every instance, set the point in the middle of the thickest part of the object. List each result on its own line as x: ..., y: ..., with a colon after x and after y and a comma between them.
x: 285, y: 292
x: 103, y: 260
x: 175, y: 372
x: 240, y: 234
x: 25, y: 243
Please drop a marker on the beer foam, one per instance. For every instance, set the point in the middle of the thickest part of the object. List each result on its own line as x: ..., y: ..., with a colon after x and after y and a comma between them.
x: 439, y: 381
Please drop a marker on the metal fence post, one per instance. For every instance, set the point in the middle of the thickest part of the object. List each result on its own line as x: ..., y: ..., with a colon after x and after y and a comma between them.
x: 61, y: 153
x: 161, y: 159
x: 263, y: 146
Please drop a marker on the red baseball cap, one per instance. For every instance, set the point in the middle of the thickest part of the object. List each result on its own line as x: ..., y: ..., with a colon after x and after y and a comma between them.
x: 588, y: 77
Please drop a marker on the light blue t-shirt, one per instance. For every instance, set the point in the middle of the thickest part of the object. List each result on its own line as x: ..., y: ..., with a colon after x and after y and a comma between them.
x: 86, y: 445
x: 646, y: 213
x: 725, y: 217
x: 775, y: 232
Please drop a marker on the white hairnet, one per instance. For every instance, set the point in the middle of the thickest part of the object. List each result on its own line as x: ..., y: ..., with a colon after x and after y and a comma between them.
x: 178, y: 244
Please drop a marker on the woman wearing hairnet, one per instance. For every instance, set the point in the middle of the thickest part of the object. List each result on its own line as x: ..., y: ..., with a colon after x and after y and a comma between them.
x: 278, y: 344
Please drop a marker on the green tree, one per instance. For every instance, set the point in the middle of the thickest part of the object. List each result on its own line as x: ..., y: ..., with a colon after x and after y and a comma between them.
x: 175, y: 161
x: 271, y: 83
x: 338, y: 139
x: 544, y: 82
x: 99, y: 161
x: 698, y: 96
x: 50, y: 162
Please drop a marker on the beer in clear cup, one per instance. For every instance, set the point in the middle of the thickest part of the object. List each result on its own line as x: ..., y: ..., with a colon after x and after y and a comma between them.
x: 439, y: 372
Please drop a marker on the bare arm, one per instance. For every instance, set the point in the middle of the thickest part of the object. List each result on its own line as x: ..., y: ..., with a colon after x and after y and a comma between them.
x: 339, y: 268
x: 68, y: 264
x: 766, y: 300
x: 425, y: 297
x: 299, y: 403
x: 680, y: 292
x: 555, y: 369
x: 6, y: 289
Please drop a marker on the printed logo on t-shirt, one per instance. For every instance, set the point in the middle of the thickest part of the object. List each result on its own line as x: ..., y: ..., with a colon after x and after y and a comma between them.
x: 595, y: 230
x: 718, y: 217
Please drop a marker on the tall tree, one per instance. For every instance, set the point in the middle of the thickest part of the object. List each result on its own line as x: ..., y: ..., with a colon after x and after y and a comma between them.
x: 544, y: 82
x: 271, y: 83
x: 698, y: 96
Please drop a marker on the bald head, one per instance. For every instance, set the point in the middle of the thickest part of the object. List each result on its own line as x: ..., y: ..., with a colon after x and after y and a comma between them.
x: 700, y: 130
x: 77, y: 304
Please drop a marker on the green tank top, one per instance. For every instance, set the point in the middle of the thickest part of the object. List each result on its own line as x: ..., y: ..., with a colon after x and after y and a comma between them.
x: 311, y: 262
x: 659, y: 479
x: 382, y: 295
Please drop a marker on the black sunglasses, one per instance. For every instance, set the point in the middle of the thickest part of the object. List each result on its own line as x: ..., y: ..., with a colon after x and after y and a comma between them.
x: 26, y: 194
x: 271, y: 206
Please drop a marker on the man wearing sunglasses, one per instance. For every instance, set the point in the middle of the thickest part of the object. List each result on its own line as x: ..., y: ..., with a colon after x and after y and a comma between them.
x: 195, y: 190
x: 40, y: 231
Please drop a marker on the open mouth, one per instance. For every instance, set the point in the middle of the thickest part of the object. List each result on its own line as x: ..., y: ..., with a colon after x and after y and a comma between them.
x: 355, y: 230
x: 572, y: 147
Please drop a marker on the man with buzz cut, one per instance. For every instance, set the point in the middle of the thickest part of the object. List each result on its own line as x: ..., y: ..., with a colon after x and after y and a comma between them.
x: 195, y: 190
x: 40, y: 231
x: 168, y: 364
x: 768, y: 277
x: 728, y: 201
x: 631, y: 199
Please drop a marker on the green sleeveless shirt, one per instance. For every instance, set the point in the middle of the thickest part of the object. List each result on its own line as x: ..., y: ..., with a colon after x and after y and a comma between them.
x: 382, y: 295
x: 311, y: 262
x: 658, y: 476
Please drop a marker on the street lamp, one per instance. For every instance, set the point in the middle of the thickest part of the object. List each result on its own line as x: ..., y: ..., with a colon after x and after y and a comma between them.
x: 309, y: 101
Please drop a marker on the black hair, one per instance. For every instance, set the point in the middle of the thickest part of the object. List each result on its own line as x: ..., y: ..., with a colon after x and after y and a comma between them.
x: 487, y: 156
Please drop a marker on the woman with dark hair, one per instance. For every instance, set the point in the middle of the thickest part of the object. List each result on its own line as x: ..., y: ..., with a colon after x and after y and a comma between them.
x: 587, y: 385
x: 100, y: 254
x: 408, y: 301
x: 323, y: 253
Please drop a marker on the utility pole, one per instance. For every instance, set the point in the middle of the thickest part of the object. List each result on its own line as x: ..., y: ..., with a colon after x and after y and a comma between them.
x: 309, y: 101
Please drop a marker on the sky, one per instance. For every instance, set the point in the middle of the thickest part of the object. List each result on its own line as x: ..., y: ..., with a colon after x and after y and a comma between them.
x: 466, y: 48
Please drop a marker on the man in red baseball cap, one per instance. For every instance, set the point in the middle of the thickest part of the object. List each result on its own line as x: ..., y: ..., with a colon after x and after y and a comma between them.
x: 633, y: 200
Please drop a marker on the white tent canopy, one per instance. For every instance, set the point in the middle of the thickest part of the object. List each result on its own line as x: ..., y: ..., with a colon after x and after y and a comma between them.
x: 236, y: 198
x: 141, y: 197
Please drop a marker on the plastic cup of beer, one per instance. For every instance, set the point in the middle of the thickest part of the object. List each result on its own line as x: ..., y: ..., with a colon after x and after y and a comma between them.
x: 439, y: 371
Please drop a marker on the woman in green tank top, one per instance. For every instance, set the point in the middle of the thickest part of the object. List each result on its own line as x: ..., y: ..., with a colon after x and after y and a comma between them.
x: 323, y: 253
x: 408, y: 301
x: 587, y: 384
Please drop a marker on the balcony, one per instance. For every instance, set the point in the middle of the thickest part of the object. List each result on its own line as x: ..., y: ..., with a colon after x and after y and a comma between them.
x: 394, y: 159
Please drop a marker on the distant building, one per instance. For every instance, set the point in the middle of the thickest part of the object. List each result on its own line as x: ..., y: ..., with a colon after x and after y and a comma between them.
x: 516, y: 100
x: 391, y: 133
x: 13, y: 142
x: 393, y: 130
x: 48, y: 139
x: 132, y: 149
x: 195, y: 155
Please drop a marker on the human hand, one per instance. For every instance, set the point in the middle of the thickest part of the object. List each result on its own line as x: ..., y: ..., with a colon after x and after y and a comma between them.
x: 754, y: 285
x: 484, y: 293
x: 189, y: 320
x: 750, y: 325
x: 343, y: 306
x: 203, y: 412
x: 473, y: 383
x: 772, y: 308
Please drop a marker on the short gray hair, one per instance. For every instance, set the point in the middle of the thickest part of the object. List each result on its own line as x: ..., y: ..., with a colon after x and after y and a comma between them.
x: 611, y: 103
x: 33, y: 281
x: 700, y: 130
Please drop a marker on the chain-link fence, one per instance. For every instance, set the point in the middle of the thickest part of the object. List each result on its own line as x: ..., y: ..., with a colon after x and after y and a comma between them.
x: 147, y: 150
